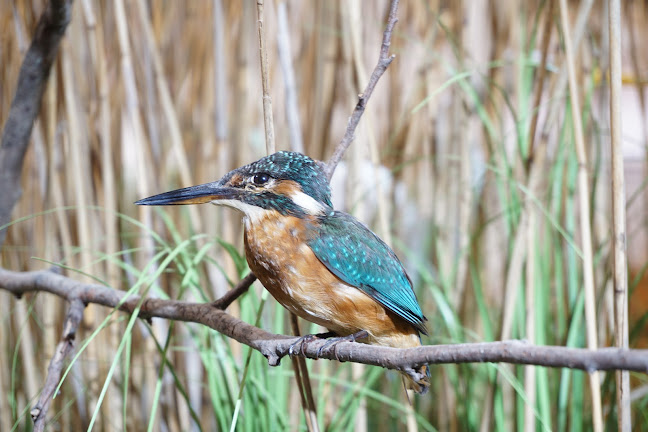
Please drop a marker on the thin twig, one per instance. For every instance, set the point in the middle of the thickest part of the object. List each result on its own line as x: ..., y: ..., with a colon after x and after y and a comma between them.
x: 230, y: 296
x: 618, y: 215
x: 72, y: 320
x: 274, y: 346
x: 585, y: 223
x: 384, y: 60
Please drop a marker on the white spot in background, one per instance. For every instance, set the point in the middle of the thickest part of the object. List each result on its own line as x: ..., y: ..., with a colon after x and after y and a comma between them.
x: 306, y: 202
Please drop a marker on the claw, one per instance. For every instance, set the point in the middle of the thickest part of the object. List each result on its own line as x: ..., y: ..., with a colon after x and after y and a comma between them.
x: 301, y: 341
x: 305, y: 340
x: 334, y: 341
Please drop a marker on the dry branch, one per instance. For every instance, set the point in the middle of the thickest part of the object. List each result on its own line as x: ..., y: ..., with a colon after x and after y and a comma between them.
x: 73, y: 318
x: 384, y: 60
x: 27, y: 101
x: 274, y: 346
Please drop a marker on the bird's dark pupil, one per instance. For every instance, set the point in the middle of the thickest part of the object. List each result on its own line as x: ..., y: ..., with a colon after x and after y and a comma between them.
x: 260, y: 179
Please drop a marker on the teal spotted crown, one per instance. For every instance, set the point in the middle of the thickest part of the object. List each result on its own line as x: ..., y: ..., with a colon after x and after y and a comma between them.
x: 300, y: 168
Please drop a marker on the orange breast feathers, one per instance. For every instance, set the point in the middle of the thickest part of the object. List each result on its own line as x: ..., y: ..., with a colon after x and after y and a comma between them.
x: 279, y: 256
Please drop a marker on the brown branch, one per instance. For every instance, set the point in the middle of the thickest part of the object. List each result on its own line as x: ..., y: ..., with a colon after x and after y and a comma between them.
x: 26, y: 103
x: 274, y: 346
x: 230, y: 296
x: 384, y: 60
x: 72, y: 320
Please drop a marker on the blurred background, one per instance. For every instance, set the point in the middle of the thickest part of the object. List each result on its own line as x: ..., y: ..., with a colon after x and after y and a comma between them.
x: 148, y: 96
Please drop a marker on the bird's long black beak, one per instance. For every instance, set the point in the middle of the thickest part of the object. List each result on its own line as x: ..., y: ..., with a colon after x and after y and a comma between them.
x: 200, y: 194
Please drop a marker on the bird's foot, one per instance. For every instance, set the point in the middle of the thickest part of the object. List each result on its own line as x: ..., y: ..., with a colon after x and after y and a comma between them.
x: 332, y: 343
x: 305, y: 340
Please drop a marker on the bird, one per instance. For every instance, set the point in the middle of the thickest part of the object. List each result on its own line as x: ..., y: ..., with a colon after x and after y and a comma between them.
x: 321, y: 264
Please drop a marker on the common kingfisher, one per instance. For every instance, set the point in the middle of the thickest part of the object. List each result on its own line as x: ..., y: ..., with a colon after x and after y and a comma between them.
x: 319, y: 263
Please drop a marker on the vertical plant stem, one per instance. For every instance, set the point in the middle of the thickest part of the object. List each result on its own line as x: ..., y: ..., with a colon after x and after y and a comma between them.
x: 135, y: 160
x: 618, y: 215
x: 303, y: 381
x: 542, y: 71
x: 530, y: 371
x: 95, y: 40
x: 267, y: 101
x: 299, y: 362
x: 585, y: 224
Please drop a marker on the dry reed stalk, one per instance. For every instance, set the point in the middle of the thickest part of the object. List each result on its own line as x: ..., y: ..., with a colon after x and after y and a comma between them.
x: 529, y: 316
x: 542, y: 71
x: 220, y: 75
x: 112, y: 409
x: 267, y: 100
x: 31, y: 373
x: 77, y: 171
x: 516, y: 265
x: 62, y: 226
x: 241, y: 122
x: 624, y: 422
x: 474, y: 48
x: 136, y: 170
x: 51, y: 310
x: 585, y: 225
x: 530, y: 371
x: 320, y: 78
x: 299, y: 363
x: 218, y: 156
x: 303, y: 382
x: 579, y: 28
x: 192, y: 361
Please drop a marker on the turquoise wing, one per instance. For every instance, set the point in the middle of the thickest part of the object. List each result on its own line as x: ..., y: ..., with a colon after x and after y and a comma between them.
x: 360, y: 258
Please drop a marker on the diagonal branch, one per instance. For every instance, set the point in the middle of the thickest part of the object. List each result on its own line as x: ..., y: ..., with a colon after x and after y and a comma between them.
x: 65, y: 347
x: 384, y: 60
x: 274, y: 346
x: 231, y: 295
x: 27, y: 101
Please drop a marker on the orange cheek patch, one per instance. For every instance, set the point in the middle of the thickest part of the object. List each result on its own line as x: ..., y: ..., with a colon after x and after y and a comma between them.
x: 286, y: 187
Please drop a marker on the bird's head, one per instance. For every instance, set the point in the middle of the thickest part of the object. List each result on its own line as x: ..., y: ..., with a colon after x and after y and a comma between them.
x: 287, y: 182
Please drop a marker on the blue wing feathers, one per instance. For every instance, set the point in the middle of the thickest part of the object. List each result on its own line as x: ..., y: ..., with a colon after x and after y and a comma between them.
x: 360, y: 258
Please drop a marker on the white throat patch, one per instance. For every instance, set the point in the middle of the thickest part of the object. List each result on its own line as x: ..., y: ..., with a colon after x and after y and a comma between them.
x: 251, y: 212
x: 307, y: 203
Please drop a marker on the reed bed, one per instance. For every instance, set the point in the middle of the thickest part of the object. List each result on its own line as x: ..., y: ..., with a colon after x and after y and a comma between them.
x: 466, y: 161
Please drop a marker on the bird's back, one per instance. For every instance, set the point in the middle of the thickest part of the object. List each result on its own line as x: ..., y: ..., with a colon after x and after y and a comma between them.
x: 282, y: 251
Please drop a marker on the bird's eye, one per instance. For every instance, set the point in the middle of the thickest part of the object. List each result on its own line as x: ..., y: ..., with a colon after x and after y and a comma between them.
x: 260, y: 179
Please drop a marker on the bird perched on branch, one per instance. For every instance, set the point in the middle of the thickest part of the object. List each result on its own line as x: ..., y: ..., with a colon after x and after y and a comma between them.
x: 321, y: 264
